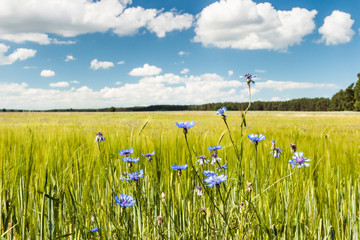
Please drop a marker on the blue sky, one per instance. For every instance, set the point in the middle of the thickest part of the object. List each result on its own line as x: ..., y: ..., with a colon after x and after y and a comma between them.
x: 92, y: 54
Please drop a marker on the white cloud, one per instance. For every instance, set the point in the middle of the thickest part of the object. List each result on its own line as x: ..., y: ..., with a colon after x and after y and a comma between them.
x: 75, y: 82
x: 95, y: 64
x: 118, y: 83
x: 260, y: 71
x: 337, y: 28
x: 121, y: 62
x: 230, y: 73
x: 47, y: 73
x: 146, y: 70
x: 59, y: 84
x: 185, y: 71
x: 244, y: 24
x: 182, y: 53
x: 69, y: 58
x: 286, y: 85
x: 275, y: 99
x: 20, y: 54
x: 29, y: 67
x: 21, y: 20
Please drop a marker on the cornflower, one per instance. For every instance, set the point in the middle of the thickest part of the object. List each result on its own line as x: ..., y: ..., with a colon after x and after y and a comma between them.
x: 126, y: 152
x: 199, y: 190
x: 299, y: 161
x: 179, y: 168
x: 185, y: 125
x: 275, y: 150
x: 149, y: 155
x: 256, y: 138
x: 214, y: 155
x: 124, y: 200
x: 135, y: 176
x: 222, y: 167
x: 99, y: 137
x: 202, y: 160
x: 215, y: 180
x: 249, y: 77
x: 222, y: 111
x: 210, y: 173
x: 130, y: 160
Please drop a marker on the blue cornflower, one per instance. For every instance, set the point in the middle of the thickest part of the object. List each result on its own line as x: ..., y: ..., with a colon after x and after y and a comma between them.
x: 214, y: 148
x: 276, y: 151
x: 185, y: 125
x: 130, y: 160
x: 255, y: 138
x: 149, y: 155
x: 249, y: 77
x: 215, y: 180
x: 179, y: 168
x: 210, y: 173
x: 222, y: 111
x: 99, y: 137
x: 199, y: 190
x: 299, y: 160
x: 126, y: 152
x: 135, y: 176
x: 202, y: 160
x: 124, y: 200
x: 95, y: 229
x: 222, y: 167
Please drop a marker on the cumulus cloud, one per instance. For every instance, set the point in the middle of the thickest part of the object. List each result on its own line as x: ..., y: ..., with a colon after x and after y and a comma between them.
x: 244, y: 24
x: 22, y: 21
x: 69, y: 58
x: 146, y: 70
x: 182, y: 53
x: 47, y: 73
x: 121, y: 62
x: 95, y: 64
x: 185, y: 71
x: 286, y: 85
x: 59, y: 84
x: 230, y: 73
x: 337, y: 28
x: 75, y: 82
x: 20, y: 54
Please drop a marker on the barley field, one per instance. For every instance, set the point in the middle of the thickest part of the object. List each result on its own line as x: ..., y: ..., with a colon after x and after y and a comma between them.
x: 57, y: 182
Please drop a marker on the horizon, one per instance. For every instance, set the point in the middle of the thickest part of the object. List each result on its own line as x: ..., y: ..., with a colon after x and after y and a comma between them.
x: 103, y: 53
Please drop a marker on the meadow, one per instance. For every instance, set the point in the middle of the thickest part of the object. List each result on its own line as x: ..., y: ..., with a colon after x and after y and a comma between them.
x: 58, y: 183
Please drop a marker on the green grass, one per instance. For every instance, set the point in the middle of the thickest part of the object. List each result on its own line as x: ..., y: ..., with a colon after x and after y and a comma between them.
x: 54, y: 181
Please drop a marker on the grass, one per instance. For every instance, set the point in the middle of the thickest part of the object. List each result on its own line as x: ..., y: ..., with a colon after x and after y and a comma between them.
x: 55, y: 184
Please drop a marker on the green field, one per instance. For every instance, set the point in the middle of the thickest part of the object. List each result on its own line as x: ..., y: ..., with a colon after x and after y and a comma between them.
x: 56, y: 182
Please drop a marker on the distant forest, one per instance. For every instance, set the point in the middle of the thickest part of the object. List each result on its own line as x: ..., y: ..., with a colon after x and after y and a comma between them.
x: 344, y: 100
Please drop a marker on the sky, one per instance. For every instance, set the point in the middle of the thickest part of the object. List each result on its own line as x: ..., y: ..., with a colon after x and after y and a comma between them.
x: 123, y: 53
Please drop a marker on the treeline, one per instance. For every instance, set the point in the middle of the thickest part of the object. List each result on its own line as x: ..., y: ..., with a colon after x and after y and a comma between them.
x: 344, y: 100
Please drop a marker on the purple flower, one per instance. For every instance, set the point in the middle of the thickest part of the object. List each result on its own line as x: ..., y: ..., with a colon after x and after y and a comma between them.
x: 99, y: 137
x: 222, y: 111
x: 215, y: 180
x: 210, y: 173
x: 299, y: 161
x: 135, y: 176
x: 149, y: 155
x: 222, y: 167
x: 214, y: 148
x: 179, y: 168
x: 202, y: 160
x: 185, y: 125
x: 249, y: 77
x: 126, y: 152
x: 276, y: 152
x: 124, y: 200
x: 255, y: 138
x: 215, y: 158
x: 199, y: 191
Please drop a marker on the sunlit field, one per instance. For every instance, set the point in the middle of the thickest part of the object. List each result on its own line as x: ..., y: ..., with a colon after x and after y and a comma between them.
x: 57, y: 182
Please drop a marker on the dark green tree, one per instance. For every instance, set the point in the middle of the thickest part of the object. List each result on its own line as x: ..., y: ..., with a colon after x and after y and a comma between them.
x: 349, y: 98
x: 357, y: 94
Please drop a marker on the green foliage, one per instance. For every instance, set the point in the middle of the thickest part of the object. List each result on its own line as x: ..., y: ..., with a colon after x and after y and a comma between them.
x: 357, y: 94
x: 53, y: 180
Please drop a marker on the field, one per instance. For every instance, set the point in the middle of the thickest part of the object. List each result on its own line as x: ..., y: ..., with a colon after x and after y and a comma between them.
x: 58, y: 183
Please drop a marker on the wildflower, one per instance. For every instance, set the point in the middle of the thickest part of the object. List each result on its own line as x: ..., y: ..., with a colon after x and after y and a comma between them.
x: 293, y: 147
x: 123, y: 176
x: 276, y: 151
x: 126, y: 152
x: 124, y: 200
x: 215, y: 180
x: 179, y: 168
x: 185, y: 125
x: 222, y: 111
x: 99, y: 137
x: 199, y: 191
x: 95, y: 229
x: 159, y: 220
x: 249, y: 187
x: 135, y: 176
x: 202, y: 160
x: 210, y: 173
x: 130, y: 160
x: 255, y: 138
x: 249, y: 77
x: 221, y: 167
x: 149, y: 155
x: 299, y: 160
x: 273, y: 145
x: 214, y: 155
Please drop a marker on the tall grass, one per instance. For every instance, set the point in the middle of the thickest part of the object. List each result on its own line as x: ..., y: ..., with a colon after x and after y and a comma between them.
x: 54, y: 183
